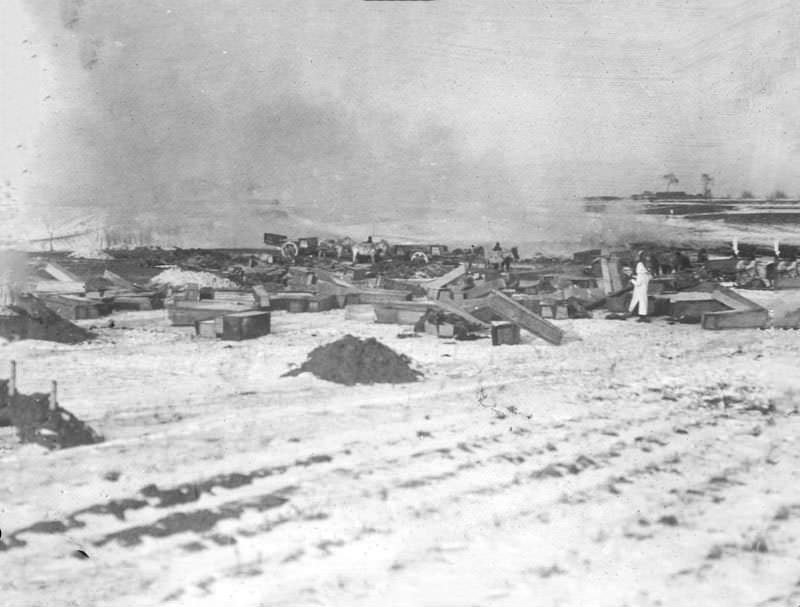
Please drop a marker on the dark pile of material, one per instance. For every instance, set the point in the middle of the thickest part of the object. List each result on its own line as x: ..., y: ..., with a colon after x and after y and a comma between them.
x: 462, y: 329
x: 577, y: 308
x: 34, y: 320
x: 351, y: 361
x: 36, y: 423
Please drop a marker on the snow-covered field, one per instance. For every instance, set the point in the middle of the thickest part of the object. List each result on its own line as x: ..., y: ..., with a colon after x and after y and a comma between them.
x: 633, y: 465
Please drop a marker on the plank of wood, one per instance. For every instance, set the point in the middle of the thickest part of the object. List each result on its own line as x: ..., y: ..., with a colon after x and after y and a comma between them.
x: 690, y: 296
x: 612, y: 279
x: 323, y: 287
x: 414, y: 306
x: 373, y: 296
x: 485, y: 289
x: 293, y: 295
x: 58, y: 286
x: 332, y: 278
x: 245, y: 325
x: 518, y: 314
x: 733, y: 300
x: 237, y: 295
x: 61, y: 273
x: 187, y: 313
x: 697, y: 307
x: 118, y: 280
x: 736, y: 319
x: 442, y: 281
x: 451, y: 308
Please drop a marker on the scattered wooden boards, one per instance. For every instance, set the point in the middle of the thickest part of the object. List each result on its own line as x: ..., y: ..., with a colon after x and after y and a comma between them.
x: 518, y: 314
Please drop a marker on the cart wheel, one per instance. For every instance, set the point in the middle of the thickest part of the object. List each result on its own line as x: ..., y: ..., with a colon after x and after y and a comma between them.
x: 289, y: 249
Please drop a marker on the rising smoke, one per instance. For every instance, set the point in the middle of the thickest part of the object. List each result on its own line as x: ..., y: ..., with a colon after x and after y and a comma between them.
x: 192, y: 119
x: 220, y: 120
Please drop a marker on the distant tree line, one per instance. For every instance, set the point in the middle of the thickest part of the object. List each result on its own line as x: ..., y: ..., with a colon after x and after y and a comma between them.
x: 775, y: 195
x: 671, y: 179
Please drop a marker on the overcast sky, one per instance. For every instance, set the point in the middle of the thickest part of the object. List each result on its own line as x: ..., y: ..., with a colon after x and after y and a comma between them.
x: 137, y: 105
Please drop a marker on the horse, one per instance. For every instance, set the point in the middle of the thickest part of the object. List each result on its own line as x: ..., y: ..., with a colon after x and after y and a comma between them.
x: 365, y: 249
x: 336, y: 246
x: 500, y: 259
x: 787, y: 268
x: 370, y: 249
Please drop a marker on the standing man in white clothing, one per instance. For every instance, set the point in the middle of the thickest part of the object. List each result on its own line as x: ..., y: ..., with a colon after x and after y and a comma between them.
x: 641, y: 280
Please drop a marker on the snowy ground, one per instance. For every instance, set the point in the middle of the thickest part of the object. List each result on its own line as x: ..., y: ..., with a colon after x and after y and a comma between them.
x: 633, y: 465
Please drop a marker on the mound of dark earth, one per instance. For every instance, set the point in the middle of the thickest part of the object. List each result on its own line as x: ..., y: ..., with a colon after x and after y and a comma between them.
x: 351, y: 361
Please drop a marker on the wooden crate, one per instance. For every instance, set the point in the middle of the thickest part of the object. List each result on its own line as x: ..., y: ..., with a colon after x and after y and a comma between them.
x: 787, y: 320
x: 446, y: 330
x: 323, y: 303
x: 408, y: 317
x: 297, y: 306
x: 288, y: 301
x: 661, y: 306
x: 362, y: 312
x: 206, y: 328
x: 132, y: 303
x: 505, y: 334
x: 757, y: 318
x: 261, y: 297
x: 245, y: 325
x: 73, y: 307
x: 386, y: 315
x: 186, y: 314
x: 401, y: 312
x: 274, y: 240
